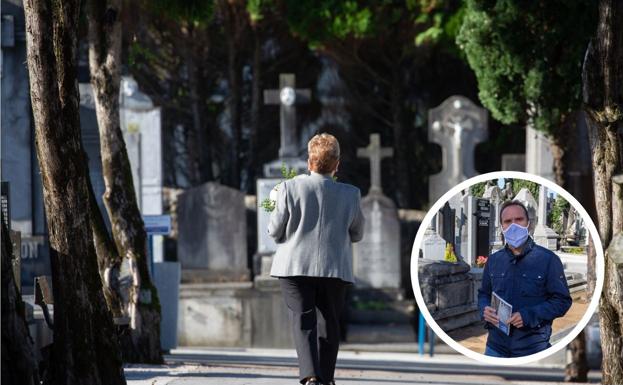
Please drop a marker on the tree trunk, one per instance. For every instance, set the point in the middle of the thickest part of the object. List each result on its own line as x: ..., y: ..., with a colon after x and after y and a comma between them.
x: 108, y: 260
x: 85, y: 349
x: 403, y: 194
x: 127, y: 224
x: 256, y: 100
x: 231, y: 11
x: 602, y: 76
x: 19, y: 362
x: 199, y: 149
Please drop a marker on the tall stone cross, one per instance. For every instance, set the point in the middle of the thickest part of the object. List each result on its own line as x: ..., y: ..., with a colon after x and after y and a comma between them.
x: 287, y: 96
x: 376, y: 153
x: 457, y: 125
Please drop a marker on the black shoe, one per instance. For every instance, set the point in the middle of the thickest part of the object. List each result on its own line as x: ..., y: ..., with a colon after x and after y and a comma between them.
x: 312, y: 382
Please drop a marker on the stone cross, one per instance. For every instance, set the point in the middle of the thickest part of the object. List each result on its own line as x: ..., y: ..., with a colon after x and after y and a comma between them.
x: 376, y: 153
x: 287, y: 96
x: 457, y: 125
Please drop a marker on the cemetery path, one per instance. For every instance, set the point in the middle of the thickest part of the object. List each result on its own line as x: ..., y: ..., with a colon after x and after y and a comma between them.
x: 238, y: 366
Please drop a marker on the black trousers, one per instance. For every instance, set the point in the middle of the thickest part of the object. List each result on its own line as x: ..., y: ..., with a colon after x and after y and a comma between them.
x: 314, y: 305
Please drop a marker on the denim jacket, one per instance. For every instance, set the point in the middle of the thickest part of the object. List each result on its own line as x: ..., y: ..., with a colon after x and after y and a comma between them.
x: 534, y: 284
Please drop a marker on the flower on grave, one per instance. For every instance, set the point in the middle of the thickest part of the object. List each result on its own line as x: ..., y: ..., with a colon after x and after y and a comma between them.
x: 481, y: 260
x: 449, y: 255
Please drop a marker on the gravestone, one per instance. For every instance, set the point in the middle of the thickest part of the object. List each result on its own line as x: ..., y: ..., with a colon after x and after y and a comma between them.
x: 447, y: 225
x: 376, y: 258
x: 468, y: 230
x: 433, y: 245
x: 212, y: 238
x: 483, y: 227
x: 539, y: 159
x: 494, y: 194
x: 524, y: 196
x: 543, y: 234
x: 457, y: 125
x: 142, y: 132
x: 287, y: 97
x: 513, y: 162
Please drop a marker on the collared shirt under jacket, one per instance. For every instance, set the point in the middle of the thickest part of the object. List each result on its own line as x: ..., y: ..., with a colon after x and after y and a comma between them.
x: 314, y: 222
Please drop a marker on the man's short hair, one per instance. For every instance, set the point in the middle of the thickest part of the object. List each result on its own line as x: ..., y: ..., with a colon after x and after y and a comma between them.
x: 514, y: 203
x: 324, y: 152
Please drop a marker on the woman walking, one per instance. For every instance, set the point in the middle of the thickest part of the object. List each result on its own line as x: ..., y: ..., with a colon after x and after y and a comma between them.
x: 314, y: 222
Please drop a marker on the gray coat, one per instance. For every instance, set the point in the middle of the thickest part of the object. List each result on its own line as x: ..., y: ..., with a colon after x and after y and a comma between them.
x: 314, y: 222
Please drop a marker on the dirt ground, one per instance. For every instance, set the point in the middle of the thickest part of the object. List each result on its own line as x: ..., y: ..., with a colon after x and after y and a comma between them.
x: 474, y: 337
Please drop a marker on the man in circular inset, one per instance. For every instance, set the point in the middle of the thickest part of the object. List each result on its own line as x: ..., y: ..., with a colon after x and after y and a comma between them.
x: 523, y: 290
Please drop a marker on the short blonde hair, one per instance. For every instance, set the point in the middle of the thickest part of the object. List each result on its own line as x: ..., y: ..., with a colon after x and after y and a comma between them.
x: 324, y: 152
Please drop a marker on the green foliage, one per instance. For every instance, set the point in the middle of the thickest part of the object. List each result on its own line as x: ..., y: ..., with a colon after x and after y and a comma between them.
x: 555, y: 215
x: 194, y: 12
x: 287, y: 173
x: 268, y: 204
x: 431, y: 21
x: 527, y: 56
x: 257, y: 9
x: 478, y: 189
x: 573, y: 249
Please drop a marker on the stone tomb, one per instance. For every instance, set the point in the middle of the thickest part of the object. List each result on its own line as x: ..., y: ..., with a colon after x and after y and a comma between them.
x: 212, y: 240
x: 447, y: 289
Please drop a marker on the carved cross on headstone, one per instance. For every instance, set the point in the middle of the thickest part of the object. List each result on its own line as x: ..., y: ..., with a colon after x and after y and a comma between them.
x: 457, y: 125
x: 376, y: 153
x: 287, y: 96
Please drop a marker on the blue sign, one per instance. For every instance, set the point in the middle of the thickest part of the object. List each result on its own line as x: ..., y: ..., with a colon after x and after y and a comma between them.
x: 157, y: 224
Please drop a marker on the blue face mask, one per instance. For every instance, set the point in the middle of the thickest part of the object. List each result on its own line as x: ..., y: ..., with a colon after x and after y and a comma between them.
x: 515, y: 235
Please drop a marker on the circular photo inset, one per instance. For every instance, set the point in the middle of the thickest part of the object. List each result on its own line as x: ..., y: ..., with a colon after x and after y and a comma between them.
x: 500, y: 267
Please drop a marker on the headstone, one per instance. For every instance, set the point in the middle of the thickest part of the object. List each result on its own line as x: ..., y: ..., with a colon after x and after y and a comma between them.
x: 494, y: 194
x: 483, y: 227
x: 447, y: 225
x: 375, y: 153
x: 455, y: 203
x: 433, y: 245
x: 468, y: 231
x: 514, y: 162
x: 458, y: 125
x: 539, y: 159
x: 376, y: 258
x: 212, y: 239
x: 543, y: 234
x: 524, y: 196
x: 287, y: 97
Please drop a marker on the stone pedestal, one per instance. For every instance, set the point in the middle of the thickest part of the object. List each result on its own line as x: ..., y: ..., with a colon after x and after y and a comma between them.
x: 234, y: 314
